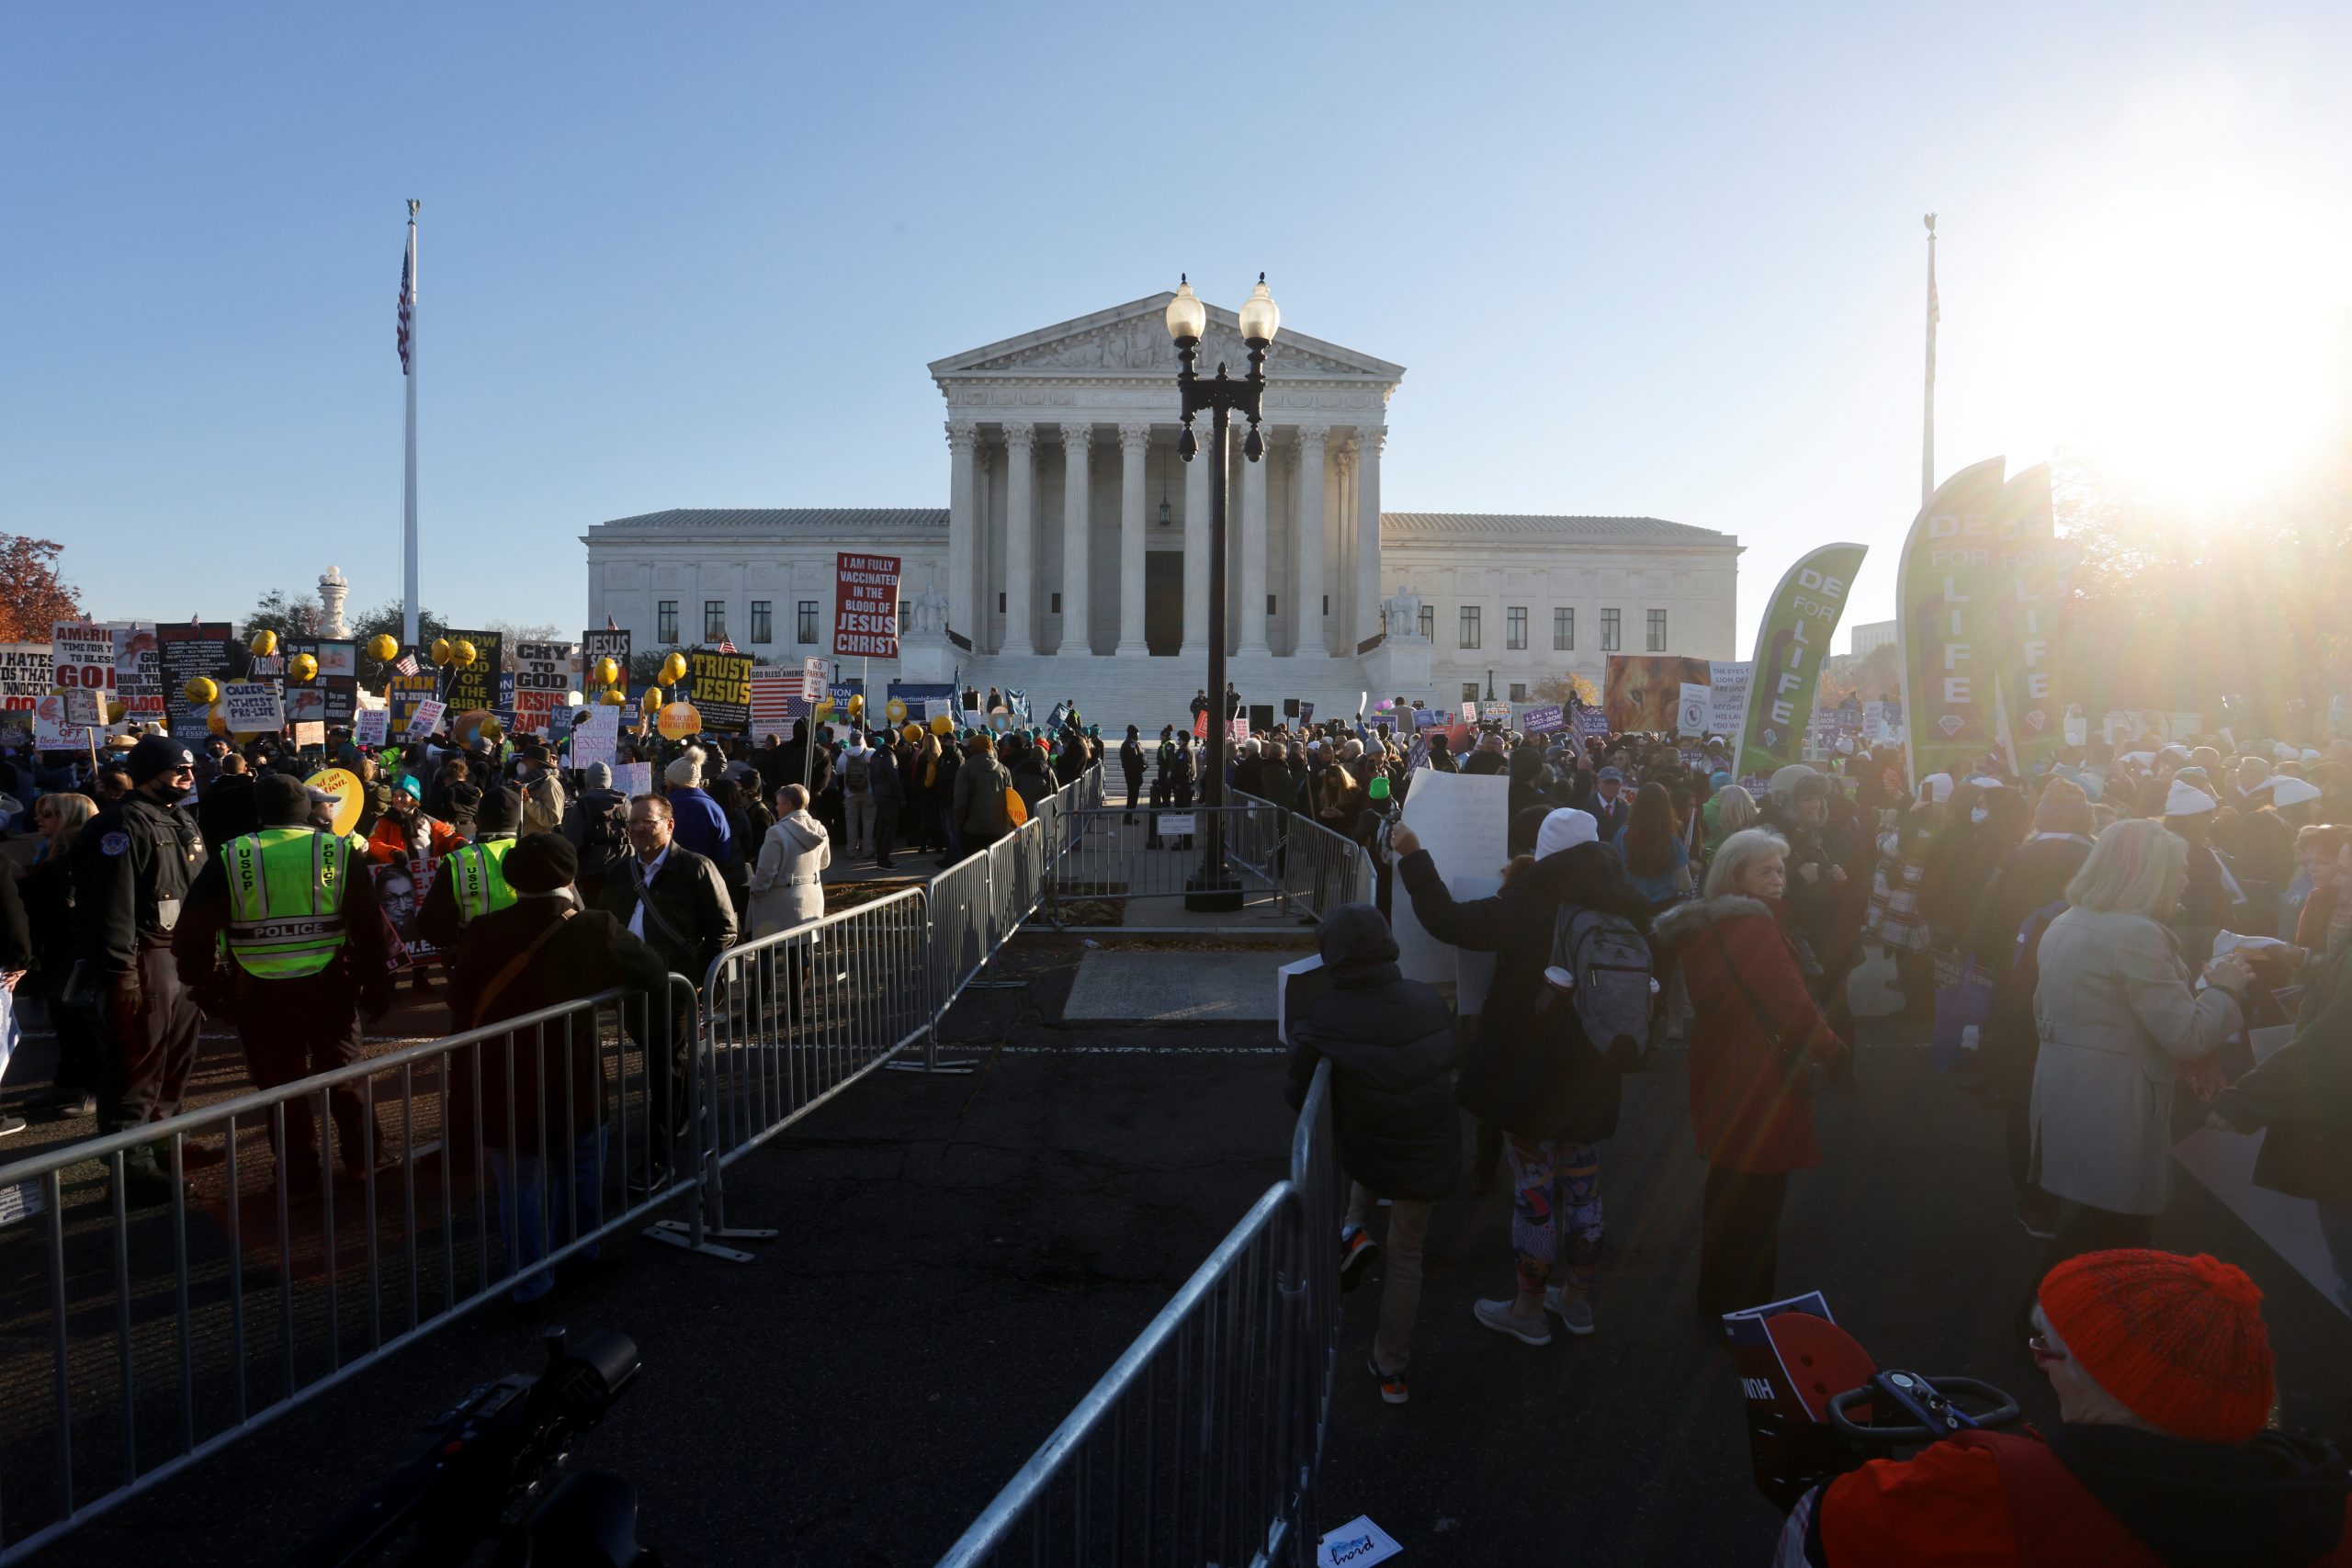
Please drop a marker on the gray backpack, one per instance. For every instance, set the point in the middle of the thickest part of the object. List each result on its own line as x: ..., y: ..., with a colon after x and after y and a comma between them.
x: 1613, y: 995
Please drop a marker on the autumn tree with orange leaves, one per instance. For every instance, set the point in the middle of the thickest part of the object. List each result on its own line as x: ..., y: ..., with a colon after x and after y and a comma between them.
x: 32, y: 595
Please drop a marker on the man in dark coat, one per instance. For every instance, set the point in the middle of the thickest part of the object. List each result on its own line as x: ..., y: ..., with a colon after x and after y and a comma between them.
x: 541, y: 952
x: 1546, y: 1087
x: 1390, y: 1043
x: 676, y: 902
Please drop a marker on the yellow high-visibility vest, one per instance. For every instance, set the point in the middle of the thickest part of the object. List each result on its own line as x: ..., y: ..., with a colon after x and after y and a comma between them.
x: 480, y: 878
x: 286, y: 887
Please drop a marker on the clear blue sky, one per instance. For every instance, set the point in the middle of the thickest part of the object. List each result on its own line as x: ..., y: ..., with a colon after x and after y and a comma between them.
x: 1650, y: 259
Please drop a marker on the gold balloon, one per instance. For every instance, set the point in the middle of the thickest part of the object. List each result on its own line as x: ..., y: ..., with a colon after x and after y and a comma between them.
x: 612, y: 696
x: 475, y: 726
x: 913, y: 732
x: 344, y: 786
x: 896, y: 708
x: 264, y: 644
x: 651, y: 700
x: 824, y: 708
x: 608, y: 672
x: 216, y: 720
x: 115, y: 711
x: 201, y: 690
x: 942, y: 725
x: 302, y: 666
x: 383, y: 647
x: 440, y: 651
x: 674, y: 669
x: 677, y: 721
x: 856, y: 703
x: 462, y: 654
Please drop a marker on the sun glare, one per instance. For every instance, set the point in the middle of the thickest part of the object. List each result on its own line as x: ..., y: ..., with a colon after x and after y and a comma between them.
x: 2195, y: 347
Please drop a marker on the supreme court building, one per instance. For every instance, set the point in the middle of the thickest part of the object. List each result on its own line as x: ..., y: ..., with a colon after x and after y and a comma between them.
x: 1071, y: 559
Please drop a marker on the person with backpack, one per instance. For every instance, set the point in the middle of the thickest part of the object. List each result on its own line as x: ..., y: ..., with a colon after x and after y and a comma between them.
x: 981, y: 784
x: 857, y: 795
x: 597, y: 826
x: 2026, y: 895
x: 1544, y: 1063
x: 1390, y: 1044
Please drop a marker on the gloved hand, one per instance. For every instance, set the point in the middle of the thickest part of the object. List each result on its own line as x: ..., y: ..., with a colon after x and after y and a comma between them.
x: 124, y: 998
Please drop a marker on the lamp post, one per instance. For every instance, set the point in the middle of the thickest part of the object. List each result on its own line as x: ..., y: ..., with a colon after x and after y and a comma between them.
x: 1221, y: 396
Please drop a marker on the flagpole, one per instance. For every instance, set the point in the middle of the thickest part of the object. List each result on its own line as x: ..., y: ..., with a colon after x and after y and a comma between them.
x: 1927, y: 438
x: 408, y: 502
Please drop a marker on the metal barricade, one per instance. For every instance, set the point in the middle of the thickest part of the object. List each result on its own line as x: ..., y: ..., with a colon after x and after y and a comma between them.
x: 468, y: 1166
x: 1283, y: 866
x: 1204, y: 1441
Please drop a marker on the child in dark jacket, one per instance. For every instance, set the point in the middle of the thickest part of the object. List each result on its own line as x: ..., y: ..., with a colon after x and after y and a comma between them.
x: 1390, y: 1043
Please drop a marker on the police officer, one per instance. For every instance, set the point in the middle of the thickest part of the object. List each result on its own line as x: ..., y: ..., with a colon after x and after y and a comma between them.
x: 132, y: 867
x: 472, y: 881
x: 308, y: 951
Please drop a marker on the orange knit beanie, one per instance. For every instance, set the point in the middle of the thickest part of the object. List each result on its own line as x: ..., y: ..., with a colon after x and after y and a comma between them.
x: 2179, y: 1341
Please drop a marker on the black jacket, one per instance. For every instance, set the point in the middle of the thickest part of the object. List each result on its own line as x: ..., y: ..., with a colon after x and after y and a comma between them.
x: 1547, y: 1083
x: 2303, y: 1095
x: 691, y: 896
x: 132, y: 867
x: 16, y: 932
x: 1390, y: 1041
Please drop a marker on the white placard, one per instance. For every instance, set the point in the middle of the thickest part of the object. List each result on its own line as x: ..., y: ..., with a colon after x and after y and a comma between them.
x: 1173, y: 824
x: 1464, y: 821
x: 312, y: 733
x: 812, y: 680
x: 633, y: 779
x: 1727, y: 680
x: 252, y: 707
x: 1356, y: 1544
x: 85, y: 707
x: 1698, y: 706
x: 426, y: 719
x: 938, y: 707
x: 371, y: 727
x: 596, y: 737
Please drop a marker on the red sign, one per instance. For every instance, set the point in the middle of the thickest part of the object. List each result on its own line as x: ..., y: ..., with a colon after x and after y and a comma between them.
x: 865, y: 606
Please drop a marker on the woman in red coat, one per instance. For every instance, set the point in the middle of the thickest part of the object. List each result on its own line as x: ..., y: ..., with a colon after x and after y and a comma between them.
x: 1756, y: 1042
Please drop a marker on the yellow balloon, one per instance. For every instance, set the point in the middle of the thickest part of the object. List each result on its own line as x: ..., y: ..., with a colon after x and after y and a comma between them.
x: 651, y: 700
x: 677, y: 721
x: 344, y: 786
x: 674, y: 669
x: 265, y: 643
x: 913, y: 732
x: 302, y: 666
x: 856, y: 703
x: 201, y: 690
x: 475, y: 726
x: 440, y: 651
x: 114, y: 711
x: 216, y: 721
x: 896, y: 708
x: 608, y: 672
x: 612, y: 696
x: 824, y: 708
x: 942, y: 725
x: 462, y: 654
x: 383, y: 647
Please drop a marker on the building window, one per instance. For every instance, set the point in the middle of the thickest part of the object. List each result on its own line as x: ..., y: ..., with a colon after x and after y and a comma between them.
x: 1429, y: 623
x: 1515, y: 626
x: 665, y: 623
x: 1657, y: 631
x: 1469, y: 690
x: 1057, y: 608
x: 1611, y: 640
x: 1469, y: 626
x: 1518, y: 691
x: 714, y: 620
x: 999, y: 603
x: 1327, y: 603
x: 762, y: 620
x: 805, y: 619
x: 1563, y: 631
x: 1270, y: 604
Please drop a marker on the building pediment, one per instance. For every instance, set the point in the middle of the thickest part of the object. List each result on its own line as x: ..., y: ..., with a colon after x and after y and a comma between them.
x: 1130, y: 340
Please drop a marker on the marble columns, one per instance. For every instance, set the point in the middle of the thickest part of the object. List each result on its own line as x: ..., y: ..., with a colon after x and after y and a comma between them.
x: 1076, y: 440
x: 1135, y: 449
x: 1020, y: 531
x: 1308, y: 618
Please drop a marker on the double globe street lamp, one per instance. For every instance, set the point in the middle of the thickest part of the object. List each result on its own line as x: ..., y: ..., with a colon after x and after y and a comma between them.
x: 1221, y: 396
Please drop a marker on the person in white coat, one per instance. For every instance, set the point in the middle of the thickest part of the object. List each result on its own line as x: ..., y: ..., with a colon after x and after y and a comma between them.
x: 2120, y: 1014
x: 787, y: 885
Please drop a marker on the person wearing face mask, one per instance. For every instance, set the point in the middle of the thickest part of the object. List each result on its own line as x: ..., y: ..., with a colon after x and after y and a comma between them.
x: 2164, y: 1454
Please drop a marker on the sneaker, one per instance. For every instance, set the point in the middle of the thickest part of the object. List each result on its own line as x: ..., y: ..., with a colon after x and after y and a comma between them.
x: 1498, y: 1316
x: 1357, y: 1250
x: 1577, y: 1319
x: 1393, y: 1388
x: 11, y: 1125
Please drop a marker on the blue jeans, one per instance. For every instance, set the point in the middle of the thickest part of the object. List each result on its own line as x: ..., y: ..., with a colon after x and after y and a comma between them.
x: 521, y: 1183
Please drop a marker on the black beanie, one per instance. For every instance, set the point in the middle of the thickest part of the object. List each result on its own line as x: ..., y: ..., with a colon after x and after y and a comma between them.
x: 500, y: 810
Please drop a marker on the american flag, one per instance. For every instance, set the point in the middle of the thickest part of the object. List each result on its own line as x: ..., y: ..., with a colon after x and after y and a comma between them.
x: 726, y: 645
x: 407, y: 291
x: 404, y: 665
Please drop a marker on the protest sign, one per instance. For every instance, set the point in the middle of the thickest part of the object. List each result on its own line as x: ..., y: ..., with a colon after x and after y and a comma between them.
x: 1544, y: 720
x: 720, y: 685
x: 252, y: 707
x: 476, y: 685
x: 371, y: 727
x: 865, y: 605
x: 332, y: 694
x: 425, y: 719
x: 596, y: 737
x: 1494, y: 712
x: 1643, y: 692
x: 23, y: 675
x: 633, y: 779
x: 50, y: 730
x: 774, y: 693
x: 88, y: 709
x: 1948, y: 594
x: 1728, y: 680
x: 1464, y: 821
x: 542, y: 679
x: 308, y: 735
x: 1791, y: 643
x: 1695, y: 708
x: 1425, y: 718
x: 1591, y: 723
x: 935, y: 708
x: 595, y: 645
x: 185, y: 652
x: 82, y: 656
x: 138, y: 677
